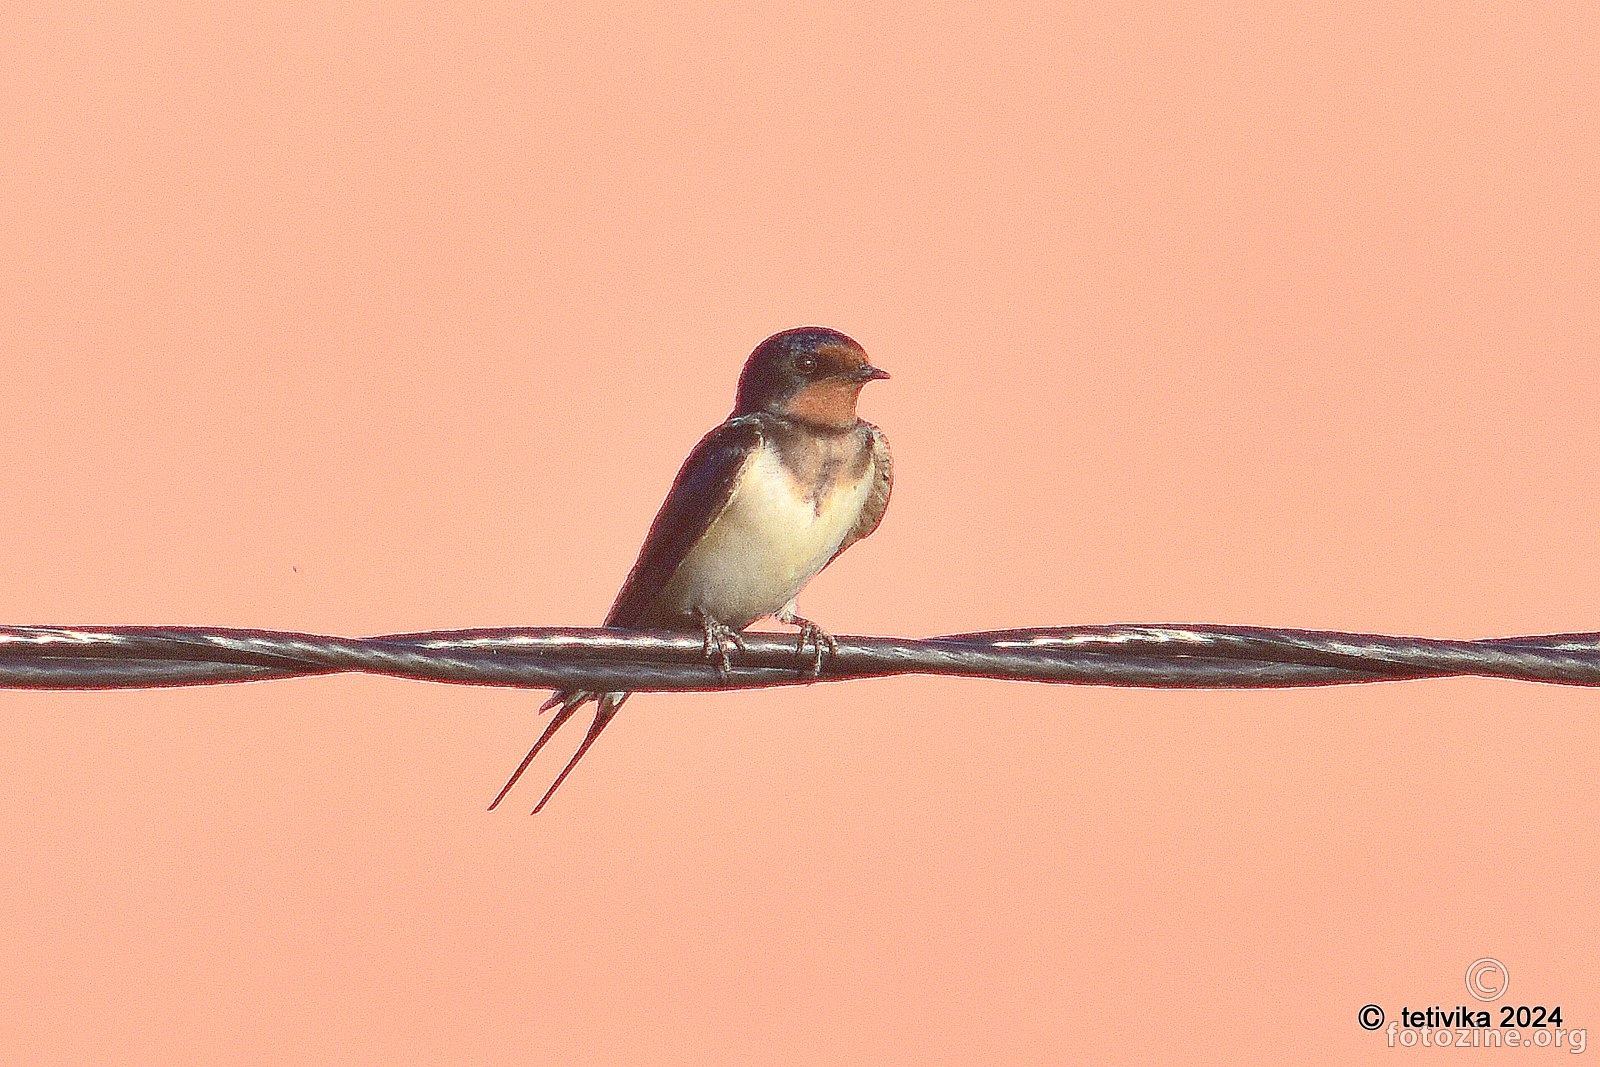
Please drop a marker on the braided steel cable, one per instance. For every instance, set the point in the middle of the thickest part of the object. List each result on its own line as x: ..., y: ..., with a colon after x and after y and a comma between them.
x: 602, y: 660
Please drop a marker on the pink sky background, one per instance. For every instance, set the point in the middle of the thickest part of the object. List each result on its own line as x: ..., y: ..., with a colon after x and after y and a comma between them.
x: 371, y: 318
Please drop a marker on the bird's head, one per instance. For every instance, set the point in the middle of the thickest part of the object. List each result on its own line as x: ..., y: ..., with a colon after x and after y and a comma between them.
x: 811, y: 373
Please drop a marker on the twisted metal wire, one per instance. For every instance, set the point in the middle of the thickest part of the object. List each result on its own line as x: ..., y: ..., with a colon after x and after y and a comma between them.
x: 602, y: 660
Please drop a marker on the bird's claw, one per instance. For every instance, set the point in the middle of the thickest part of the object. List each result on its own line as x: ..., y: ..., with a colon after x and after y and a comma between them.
x: 718, y: 637
x: 813, y: 635
x: 818, y: 639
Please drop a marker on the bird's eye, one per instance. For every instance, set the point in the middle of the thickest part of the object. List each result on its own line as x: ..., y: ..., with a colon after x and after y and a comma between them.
x: 805, y: 364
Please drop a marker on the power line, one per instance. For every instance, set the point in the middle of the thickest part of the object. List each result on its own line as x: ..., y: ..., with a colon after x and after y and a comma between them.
x: 1160, y: 656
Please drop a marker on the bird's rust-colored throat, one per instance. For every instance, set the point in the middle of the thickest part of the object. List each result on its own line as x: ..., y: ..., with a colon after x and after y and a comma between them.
x: 830, y: 402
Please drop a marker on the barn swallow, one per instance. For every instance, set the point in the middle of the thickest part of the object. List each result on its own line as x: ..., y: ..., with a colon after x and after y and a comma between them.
x: 763, y: 503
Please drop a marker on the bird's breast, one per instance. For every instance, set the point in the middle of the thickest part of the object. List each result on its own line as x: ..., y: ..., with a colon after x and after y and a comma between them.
x: 785, y: 519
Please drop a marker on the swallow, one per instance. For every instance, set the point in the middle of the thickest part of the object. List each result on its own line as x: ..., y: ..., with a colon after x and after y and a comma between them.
x: 764, y: 502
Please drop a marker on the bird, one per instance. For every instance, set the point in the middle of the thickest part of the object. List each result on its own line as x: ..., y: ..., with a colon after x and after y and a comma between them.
x: 763, y: 503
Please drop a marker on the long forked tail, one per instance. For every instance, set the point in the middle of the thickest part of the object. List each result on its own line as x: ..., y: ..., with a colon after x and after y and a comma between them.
x: 570, y: 702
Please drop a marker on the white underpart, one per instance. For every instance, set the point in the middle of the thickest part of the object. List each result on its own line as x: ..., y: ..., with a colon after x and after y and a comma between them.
x: 766, y: 545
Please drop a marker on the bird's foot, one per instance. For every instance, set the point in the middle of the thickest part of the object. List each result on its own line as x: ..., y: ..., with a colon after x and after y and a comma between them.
x: 718, y: 639
x: 810, y: 634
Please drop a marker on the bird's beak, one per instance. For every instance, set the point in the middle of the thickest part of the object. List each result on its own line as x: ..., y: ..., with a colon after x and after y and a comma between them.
x: 869, y: 373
